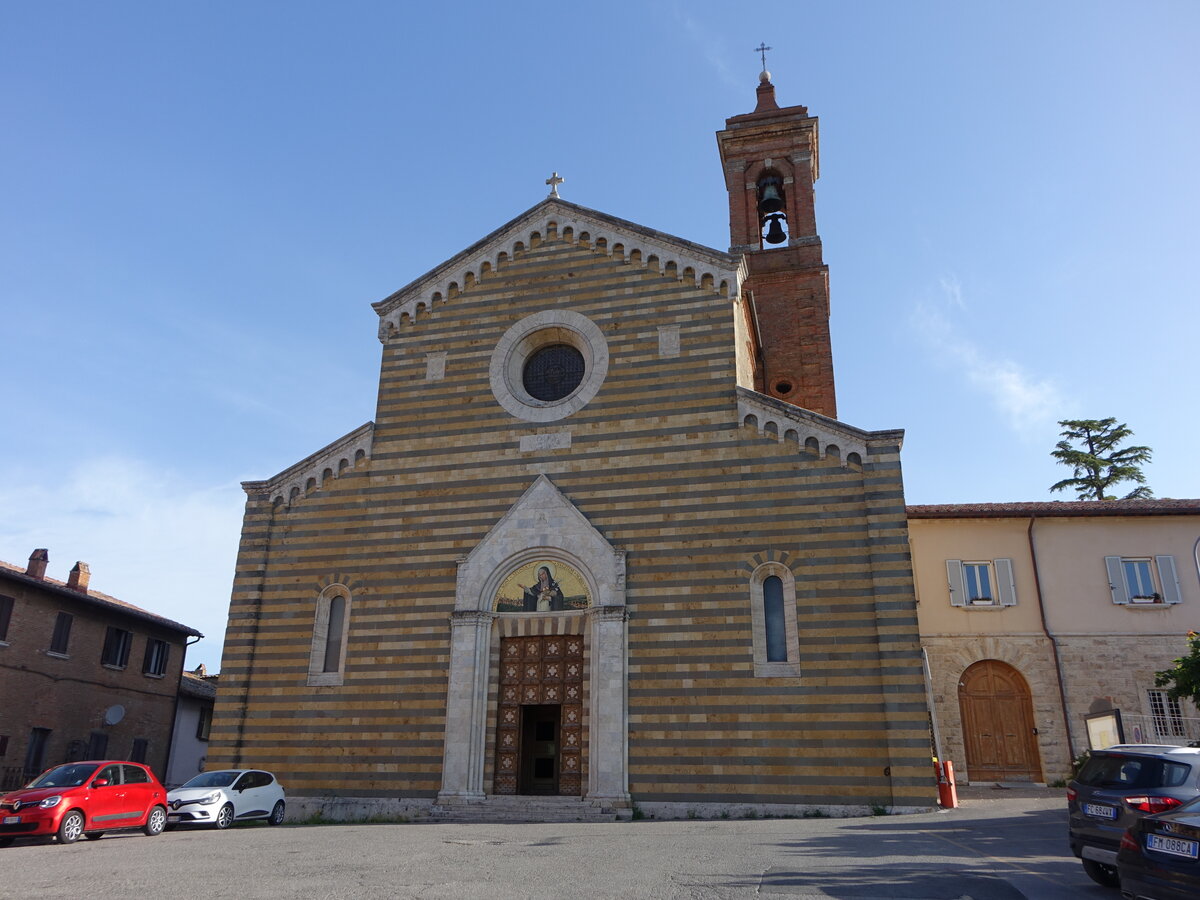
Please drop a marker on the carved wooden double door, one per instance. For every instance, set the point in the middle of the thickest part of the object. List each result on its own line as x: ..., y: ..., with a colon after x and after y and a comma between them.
x: 539, y: 720
x: 998, y: 724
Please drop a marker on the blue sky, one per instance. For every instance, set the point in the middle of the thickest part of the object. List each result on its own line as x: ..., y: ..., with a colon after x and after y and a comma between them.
x: 200, y: 201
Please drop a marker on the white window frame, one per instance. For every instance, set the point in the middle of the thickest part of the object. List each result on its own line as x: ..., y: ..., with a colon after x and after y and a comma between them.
x: 1162, y: 572
x: 1000, y: 582
x: 762, y: 667
x: 316, y: 661
x: 1166, y: 715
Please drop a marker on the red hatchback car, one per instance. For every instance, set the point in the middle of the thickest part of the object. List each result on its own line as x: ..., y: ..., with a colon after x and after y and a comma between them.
x: 85, y: 799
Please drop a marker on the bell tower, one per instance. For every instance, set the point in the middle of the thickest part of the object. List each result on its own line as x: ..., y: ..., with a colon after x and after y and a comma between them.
x: 770, y: 161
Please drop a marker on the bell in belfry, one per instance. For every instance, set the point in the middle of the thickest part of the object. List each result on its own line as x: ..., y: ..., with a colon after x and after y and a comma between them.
x: 770, y: 198
x: 775, y: 233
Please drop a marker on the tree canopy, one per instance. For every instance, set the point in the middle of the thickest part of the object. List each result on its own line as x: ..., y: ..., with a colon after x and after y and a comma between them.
x: 1183, y: 678
x: 1090, y: 448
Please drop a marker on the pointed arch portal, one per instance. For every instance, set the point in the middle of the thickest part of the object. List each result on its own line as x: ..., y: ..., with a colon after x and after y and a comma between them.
x: 545, y: 529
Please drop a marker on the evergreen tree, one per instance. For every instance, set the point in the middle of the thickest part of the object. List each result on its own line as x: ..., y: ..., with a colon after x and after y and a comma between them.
x: 1098, y: 462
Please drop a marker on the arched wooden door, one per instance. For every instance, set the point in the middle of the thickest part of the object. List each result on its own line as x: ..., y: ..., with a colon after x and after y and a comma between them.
x: 998, y: 724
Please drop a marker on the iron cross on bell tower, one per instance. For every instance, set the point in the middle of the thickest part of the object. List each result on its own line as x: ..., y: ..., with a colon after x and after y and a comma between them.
x: 763, y: 48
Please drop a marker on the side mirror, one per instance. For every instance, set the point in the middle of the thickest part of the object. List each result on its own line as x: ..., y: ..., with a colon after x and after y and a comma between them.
x: 100, y: 782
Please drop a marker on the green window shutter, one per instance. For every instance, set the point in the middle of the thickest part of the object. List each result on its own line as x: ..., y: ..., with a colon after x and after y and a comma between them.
x: 1116, y: 579
x: 954, y: 575
x: 1004, y: 582
x: 1169, y: 579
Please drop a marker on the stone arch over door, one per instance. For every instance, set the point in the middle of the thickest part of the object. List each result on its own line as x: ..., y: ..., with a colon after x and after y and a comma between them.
x: 999, y: 731
x: 542, y: 524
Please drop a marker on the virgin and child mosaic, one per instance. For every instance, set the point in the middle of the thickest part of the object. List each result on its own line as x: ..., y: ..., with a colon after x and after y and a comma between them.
x: 542, y: 586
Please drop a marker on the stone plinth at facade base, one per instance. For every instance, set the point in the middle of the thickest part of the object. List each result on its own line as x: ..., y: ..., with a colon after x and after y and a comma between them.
x: 357, y: 809
x: 521, y: 809
x: 660, y: 811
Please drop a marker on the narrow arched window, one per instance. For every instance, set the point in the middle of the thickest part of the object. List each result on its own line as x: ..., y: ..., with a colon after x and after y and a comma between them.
x: 773, y: 619
x: 333, y: 638
x: 774, y: 632
x: 331, y: 627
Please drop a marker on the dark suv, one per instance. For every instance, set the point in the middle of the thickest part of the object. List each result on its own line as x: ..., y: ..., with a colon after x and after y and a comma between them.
x: 1118, y: 786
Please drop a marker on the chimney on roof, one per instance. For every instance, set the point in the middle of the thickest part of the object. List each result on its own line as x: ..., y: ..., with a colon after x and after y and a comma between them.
x: 200, y: 671
x: 79, y: 577
x: 37, y: 564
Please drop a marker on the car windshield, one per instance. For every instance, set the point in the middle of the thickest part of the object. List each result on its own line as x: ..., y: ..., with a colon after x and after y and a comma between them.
x: 211, y: 779
x: 70, y: 775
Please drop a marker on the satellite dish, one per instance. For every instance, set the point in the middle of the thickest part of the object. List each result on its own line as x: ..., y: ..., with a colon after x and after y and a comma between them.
x: 114, y: 714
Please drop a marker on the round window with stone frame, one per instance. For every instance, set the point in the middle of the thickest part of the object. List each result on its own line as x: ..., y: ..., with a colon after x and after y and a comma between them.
x: 549, y: 365
x: 552, y: 372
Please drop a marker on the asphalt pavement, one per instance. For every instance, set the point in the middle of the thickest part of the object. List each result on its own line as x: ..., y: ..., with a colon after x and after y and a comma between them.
x: 999, y: 845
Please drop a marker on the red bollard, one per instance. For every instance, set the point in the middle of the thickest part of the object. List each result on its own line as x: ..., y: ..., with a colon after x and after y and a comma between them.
x: 947, y: 792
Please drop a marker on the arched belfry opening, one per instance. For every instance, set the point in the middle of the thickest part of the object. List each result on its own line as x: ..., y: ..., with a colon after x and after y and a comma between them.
x: 772, y: 208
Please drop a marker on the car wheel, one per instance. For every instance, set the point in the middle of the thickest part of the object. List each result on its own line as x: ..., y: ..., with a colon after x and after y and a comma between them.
x: 94, y: 835
x: 71, y: 827
x: 225, y: 816
x: 155, y: 822
x: 276, y: 817
x: 1101, y: 873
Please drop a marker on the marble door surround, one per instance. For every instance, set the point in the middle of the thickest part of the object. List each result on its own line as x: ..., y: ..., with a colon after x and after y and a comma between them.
x: 542, y: 525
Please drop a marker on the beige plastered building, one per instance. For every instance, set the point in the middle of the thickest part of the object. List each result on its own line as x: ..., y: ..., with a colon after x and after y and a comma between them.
x: 1035, y: 615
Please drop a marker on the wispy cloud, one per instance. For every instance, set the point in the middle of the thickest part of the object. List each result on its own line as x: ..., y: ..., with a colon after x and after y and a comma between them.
x: 1027, y: 402
x: 150, y: 538
x: 711, y: 44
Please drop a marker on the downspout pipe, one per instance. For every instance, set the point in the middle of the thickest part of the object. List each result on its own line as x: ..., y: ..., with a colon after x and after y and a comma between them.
x: 1037, y: 584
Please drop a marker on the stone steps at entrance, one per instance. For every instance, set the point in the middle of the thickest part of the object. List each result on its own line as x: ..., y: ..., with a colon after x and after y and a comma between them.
x: 526, y: 809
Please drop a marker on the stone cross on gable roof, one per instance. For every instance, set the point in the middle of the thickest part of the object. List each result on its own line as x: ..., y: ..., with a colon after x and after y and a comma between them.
x: 554, y: 181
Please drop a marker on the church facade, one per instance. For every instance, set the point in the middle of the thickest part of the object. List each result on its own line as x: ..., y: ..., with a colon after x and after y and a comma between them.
x: 604, y: 539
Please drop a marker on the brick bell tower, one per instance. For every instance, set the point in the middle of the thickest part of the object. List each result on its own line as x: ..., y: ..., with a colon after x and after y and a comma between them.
x: 770, y: 162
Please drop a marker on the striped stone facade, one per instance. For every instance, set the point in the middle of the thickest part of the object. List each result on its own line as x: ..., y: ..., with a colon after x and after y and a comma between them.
x: 667, y: 489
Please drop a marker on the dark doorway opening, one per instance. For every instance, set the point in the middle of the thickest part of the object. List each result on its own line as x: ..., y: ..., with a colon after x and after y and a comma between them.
x: 539, y: 749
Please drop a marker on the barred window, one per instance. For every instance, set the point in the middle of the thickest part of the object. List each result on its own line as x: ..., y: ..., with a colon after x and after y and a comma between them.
x: 1166, y: 714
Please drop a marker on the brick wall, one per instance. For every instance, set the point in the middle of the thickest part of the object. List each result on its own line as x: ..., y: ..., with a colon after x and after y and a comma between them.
x: 70, y: 693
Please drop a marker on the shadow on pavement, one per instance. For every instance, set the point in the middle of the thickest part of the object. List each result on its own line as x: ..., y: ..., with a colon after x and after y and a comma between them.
x: 898, y: 882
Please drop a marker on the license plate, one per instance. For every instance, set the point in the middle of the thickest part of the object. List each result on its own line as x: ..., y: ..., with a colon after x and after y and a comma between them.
x: 1174, y: 846
x: 12, y: 820
x: 1100, y: 811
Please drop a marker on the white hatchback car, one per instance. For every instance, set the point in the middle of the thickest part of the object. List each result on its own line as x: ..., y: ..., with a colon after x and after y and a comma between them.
x: 227, y: 796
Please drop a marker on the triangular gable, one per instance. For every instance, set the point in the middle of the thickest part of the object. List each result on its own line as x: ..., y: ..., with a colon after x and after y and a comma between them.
x: 704, y: 266
x: 542, y: 523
